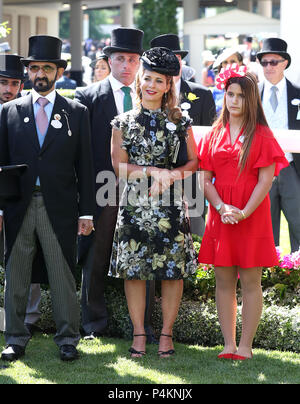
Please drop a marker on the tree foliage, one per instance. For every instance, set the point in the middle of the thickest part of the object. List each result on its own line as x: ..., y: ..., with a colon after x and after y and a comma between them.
x: 157, y: 17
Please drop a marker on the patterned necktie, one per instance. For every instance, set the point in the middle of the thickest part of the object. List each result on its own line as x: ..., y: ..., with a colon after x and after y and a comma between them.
x: 127, y: 102
x: 273, y: 98
x: 41, y: 116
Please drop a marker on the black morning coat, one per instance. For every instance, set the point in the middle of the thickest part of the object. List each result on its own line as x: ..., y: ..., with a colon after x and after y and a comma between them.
x: 99, y: 99
x: 63, y: 164
x: 203, y: 109
x: 293, y: 92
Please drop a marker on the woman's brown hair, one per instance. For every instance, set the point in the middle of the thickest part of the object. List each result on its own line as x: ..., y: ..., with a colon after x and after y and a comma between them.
x: 169, y: 100
x: 253, y: 115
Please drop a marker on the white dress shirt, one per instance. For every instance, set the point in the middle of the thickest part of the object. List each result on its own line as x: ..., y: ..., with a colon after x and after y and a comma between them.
x: 119, y: 95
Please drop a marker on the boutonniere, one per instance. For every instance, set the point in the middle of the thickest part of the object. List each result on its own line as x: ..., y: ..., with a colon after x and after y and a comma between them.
x: 192, y: 97
x: 185, y: 106
x: 296, y: 103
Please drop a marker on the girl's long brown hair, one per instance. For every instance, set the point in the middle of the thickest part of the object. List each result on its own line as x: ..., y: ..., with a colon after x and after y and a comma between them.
x: 169, y: 100
x: 253, y: 115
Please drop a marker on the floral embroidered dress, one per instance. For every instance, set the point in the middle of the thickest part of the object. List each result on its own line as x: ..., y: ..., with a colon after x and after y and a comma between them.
x: 152, y: 239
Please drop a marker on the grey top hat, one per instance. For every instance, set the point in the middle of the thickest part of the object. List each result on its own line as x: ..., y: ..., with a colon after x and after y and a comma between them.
x: 170, y: 41
x: 45, y: 48
x: 129, y: 40
x: 277, y: 46
x: 11, y: 67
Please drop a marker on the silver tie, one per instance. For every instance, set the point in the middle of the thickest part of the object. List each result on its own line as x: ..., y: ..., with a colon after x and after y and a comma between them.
x: 273, y: 98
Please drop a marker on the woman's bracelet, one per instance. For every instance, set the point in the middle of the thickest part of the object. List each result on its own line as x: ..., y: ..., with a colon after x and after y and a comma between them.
x: 243, y: 214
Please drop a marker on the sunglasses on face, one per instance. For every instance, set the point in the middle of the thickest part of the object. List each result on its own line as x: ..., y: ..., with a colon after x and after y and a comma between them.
x: 265, y: 63
x: 46, y: 68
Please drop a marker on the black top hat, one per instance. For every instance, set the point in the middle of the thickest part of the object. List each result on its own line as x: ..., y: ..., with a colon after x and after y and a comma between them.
x: 11, y: 67
x: 277, y: 46
x: 170, y: 41
x: 45, y: 48
x: 161, y: 60
x: 10, y: 181
x: 127, y: 40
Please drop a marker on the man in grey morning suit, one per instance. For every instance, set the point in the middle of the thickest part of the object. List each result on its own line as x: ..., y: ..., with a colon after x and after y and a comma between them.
x: 281, y: 103
x: 51, y: 135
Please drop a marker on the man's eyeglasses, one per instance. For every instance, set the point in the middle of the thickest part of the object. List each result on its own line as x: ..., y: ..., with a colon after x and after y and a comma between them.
x: 45, y: 68
x: 265, y: 63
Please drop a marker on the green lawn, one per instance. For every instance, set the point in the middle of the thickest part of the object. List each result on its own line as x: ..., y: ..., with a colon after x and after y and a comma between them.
x: 107, y: 361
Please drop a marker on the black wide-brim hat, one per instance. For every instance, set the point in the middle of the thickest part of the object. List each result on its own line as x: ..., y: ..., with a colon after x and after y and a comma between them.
x: 128, y: 40
x: 10, y: 181
x: 161, y: 60
x: 277, y: 46
x: 11, y: 67
x: 45, y: 48
x: 170, y: 41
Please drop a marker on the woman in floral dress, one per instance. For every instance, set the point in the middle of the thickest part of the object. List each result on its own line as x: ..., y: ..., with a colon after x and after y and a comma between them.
x: 152, y: 239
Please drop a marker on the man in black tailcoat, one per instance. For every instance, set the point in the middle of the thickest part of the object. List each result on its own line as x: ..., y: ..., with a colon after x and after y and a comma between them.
x: 105, y: 100
x: 50, y: 134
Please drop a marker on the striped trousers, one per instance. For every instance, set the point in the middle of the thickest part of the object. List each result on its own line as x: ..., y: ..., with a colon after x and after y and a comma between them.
x: 18, y: 279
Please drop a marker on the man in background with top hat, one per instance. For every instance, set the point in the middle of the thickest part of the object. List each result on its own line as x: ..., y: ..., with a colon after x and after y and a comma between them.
x: 50, y: 134
x: 12, y: 79
x: 198, y: 101
x: 281, y: 103
x: 106, y: 99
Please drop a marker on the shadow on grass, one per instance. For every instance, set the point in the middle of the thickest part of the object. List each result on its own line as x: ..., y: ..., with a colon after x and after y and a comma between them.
x: 107, y: 361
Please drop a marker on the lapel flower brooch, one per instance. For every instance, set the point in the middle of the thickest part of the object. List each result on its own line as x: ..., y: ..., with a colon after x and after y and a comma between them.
x: 185, y: 106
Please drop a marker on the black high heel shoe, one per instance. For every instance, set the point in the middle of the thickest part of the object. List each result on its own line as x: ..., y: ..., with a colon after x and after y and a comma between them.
x: 133, y: 351
x: 170, y: 351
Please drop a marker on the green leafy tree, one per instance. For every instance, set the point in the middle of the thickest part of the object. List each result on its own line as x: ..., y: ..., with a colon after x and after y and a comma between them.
x: 157, y: 17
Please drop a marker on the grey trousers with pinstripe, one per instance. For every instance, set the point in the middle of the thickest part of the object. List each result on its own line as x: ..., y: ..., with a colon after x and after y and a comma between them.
x: 18, y: 279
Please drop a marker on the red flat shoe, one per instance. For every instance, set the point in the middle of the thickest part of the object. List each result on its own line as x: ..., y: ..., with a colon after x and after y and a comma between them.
x: 225, y: 356
x: 240, y: 357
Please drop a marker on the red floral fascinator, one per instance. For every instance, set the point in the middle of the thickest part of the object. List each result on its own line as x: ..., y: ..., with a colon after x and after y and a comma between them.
x: 230, y: 71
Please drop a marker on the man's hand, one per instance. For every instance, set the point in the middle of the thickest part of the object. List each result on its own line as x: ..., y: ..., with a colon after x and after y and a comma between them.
x: 85, y: 227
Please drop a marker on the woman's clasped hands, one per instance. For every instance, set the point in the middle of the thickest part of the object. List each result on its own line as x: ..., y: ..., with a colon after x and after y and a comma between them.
x: 163, y: 179
x: 231, y: 215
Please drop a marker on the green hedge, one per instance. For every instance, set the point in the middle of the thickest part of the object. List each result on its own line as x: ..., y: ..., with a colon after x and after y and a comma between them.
x: 197, y: 322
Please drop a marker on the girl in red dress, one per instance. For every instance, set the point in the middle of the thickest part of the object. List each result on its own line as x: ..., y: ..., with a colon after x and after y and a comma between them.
x: 239, y: 158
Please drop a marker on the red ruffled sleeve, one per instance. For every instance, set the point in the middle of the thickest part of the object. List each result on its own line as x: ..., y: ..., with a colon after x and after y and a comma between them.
x: 268, y: 150
x: 204, y: 153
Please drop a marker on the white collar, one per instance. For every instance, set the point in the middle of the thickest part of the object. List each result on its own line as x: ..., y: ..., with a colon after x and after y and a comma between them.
x: 281, y: 86
x: 50, y: 97
x: 117, y: 85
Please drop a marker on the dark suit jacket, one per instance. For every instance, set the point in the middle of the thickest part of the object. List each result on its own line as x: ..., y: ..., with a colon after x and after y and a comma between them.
x: 99, y: 100
x: 63, y: 164
x: 203, y: 110
x: 293, y: 123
